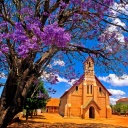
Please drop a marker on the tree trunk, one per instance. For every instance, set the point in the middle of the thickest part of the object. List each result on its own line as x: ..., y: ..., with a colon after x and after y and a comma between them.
x: 18, y: 83
x: 8, y: 114
x: 12, y: 102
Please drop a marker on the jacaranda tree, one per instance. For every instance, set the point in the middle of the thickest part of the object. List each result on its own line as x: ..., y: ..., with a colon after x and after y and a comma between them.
x: 37, y: 97
x: 33, y: 33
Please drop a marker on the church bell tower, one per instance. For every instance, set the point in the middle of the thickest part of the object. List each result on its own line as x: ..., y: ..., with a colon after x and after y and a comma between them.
x: 89, y: 82
x: 89, y: 68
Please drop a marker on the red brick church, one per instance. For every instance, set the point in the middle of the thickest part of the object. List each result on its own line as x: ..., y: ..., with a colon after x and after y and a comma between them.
x: 87, y: 98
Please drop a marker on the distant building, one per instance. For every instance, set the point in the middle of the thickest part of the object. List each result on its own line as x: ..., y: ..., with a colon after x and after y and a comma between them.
x: 53, y: 105
x: 123, y: 101
x: 87, y: 98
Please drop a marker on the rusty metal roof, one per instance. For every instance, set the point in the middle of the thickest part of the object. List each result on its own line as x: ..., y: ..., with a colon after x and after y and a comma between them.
x: 53, y: 102
x: 122, y: 100
x: 79, y: 81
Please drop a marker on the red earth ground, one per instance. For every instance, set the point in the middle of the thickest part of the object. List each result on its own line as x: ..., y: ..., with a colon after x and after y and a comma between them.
x: 47, y: 120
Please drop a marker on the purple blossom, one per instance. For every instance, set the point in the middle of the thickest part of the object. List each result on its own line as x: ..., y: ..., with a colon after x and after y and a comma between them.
x: 45, y: 13
x: 4, y: 48
x: 39, y: 94
x: 52, y: 17
x: 52, y: 34
x: 58, y: 36
x: 54, y: 80
x: 101, y: 38
x: 36, y: 82
x: 23, y: 51
x: 26, y: 10
x: 77, y: 2
x: 63, y: 5
x: 1, y: 53
x: 3, y: 24
x: 126, y: 39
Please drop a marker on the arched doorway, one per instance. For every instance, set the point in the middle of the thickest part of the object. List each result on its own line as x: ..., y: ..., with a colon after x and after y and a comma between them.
x: 91, y: 112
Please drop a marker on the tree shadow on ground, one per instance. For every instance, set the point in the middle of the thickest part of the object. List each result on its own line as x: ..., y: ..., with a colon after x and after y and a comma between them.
x: 36, y: 117
x: 32, y: 124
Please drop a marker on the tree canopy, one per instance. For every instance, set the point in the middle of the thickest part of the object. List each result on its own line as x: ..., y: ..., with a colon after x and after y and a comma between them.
x: 37, y: 30
x: 34, y: 33
x: 37, y: 97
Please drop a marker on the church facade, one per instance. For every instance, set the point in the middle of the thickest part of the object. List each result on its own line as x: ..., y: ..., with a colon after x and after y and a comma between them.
x: 87, y: 98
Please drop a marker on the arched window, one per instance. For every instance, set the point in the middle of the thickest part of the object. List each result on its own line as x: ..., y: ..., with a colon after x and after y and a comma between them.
x: 100, y: 90
x: 76, y: 88
x: 87, y: 89
x: 91, y: 89
x: 89, y: 64
x: 60, y: 103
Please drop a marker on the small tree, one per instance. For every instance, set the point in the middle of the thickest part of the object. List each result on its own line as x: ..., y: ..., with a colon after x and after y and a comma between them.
x: 118, y: 107
x: 112, y: 107
x: 125, y: 109
x: 37, y: 98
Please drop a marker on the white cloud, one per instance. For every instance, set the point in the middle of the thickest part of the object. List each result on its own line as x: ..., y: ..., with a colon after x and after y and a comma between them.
x: 3, y: 76
x: 113, y: 100
x: 116, y: 10
x: 58, y: 62
x: 112, y: 28
x: 49, y: 66
x: 115, y: 80
x: 64, y: 80
x: 116, y: 95
x: 116, y: 92
x: 46, y: 76
x: 119, y: 22
x: 118, y: 7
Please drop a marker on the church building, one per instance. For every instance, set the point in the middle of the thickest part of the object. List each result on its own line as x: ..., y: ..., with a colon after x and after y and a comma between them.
x: 87, y: 98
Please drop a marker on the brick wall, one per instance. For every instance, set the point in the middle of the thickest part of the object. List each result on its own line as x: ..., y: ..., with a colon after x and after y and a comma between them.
x: 63, y: 102
x: 79, y: 98
x: 76, y: 105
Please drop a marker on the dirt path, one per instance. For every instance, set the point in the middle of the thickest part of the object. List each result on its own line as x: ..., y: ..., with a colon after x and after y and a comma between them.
x: 46, y: 120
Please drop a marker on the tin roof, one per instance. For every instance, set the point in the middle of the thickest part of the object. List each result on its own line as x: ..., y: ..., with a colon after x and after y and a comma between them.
x: 75, y: 84
x: 122, y: 100
x: 103, y: 86
x: 53, y: 102
x: 80, y: 80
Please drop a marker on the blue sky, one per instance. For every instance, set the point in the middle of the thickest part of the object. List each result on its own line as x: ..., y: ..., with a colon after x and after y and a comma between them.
x: 118, y: 87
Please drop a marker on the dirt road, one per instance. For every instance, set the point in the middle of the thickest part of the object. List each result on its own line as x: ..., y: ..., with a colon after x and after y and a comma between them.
x: 46, y: 120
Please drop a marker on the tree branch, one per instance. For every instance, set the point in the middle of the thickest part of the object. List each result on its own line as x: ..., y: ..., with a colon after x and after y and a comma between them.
x: 116, y: 25
x: 77, y: 48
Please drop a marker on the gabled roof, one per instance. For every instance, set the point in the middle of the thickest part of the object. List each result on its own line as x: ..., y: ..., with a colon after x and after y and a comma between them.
x: 122, y: 100
x: 53, y: 102
x: 103, y: 86
x: 75, y: 84
x: 89, y: 102
x: 79, y: 81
